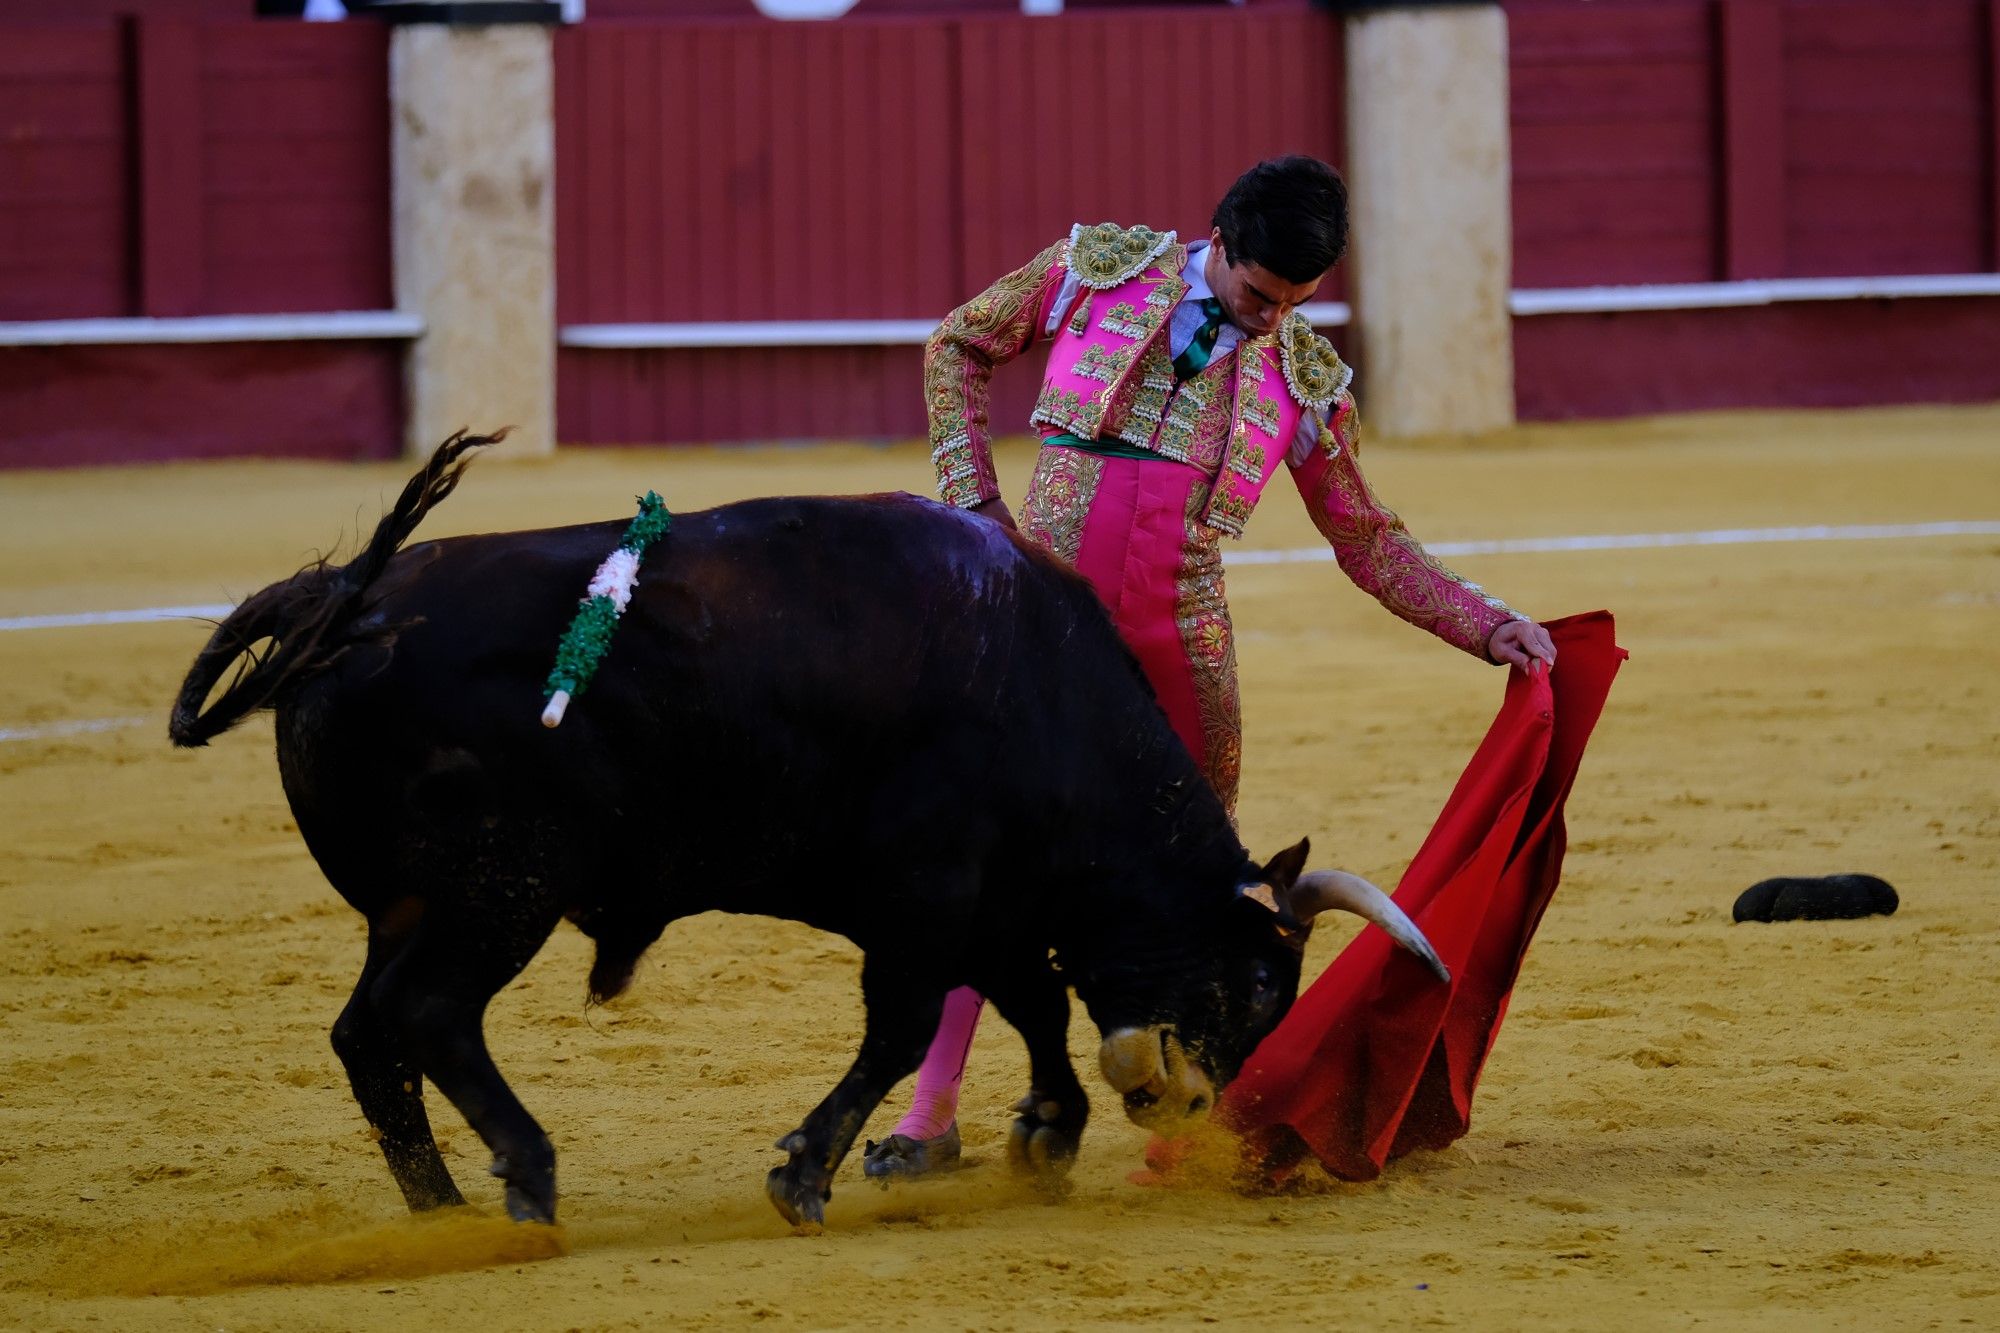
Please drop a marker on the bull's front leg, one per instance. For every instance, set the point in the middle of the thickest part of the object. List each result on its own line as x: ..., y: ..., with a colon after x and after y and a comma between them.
x: 1049, y: 1121
x: 902, y: 1015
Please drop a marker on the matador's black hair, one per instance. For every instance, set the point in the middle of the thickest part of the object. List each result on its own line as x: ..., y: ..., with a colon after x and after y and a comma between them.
x: 1288, y: 214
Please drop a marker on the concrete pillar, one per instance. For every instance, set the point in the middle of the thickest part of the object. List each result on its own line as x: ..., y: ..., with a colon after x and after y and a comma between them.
x: 473, y: 162
x: 1428, y: 167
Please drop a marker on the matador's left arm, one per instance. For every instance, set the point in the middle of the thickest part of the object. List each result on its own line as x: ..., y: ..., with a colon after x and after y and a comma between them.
x: 1377, y: 552
x: 989, y: 330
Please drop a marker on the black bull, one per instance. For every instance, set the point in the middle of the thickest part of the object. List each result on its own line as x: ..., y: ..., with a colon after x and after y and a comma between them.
x: 878, y: 716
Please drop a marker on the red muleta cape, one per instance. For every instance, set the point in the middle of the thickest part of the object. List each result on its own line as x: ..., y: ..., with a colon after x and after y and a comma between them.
x: 1378, y: 1057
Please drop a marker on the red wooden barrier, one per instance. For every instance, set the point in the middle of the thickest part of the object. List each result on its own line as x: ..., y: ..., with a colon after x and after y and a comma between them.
x: 170, y: 167
x: 167, y: 166
x: 754, y: 171
x: 1705, y: 140
x: 295, y: 126
x: 878, y: 170
x: 1993, y: 133
x: 1699, y: 140
x: 65, y: 190
x: 1886, y: 120
x: 1614, y: 135
x: 1753, y: 139
x: 172, y: 269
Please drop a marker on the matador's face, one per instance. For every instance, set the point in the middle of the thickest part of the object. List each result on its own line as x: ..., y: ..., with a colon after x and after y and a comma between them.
x: 1256, y: 299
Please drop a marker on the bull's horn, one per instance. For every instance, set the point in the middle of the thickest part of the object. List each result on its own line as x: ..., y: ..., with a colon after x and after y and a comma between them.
x: 1321, y: 890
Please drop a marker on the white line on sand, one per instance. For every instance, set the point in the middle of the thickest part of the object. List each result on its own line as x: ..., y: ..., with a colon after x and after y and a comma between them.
x: 1297, y: 555
x: 214, y: 612
x: 1616, y: 541
x: 47, y: 730
x: 1630, y: 541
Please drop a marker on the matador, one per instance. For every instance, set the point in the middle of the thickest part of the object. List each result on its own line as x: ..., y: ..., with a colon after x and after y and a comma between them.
x: 1180, y: 377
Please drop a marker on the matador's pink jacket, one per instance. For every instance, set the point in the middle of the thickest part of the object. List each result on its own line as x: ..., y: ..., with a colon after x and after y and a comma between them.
x: 1110, y: 377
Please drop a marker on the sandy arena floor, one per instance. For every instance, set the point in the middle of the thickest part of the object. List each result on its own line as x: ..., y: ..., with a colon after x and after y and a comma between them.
x: 1685, y: 1121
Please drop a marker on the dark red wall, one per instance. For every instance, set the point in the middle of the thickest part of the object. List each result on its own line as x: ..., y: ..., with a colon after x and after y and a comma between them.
x: 883, y: 169
x: 1672, y: 141
x: 889, y: 166
x: 65, y: 406
x: 66, y: 182
x: 1615, y: 133
x: 169, y: 166
x: 1803, y: 354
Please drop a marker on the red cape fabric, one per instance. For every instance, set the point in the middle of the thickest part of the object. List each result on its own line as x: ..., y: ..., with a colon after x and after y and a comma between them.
x: 1378, y: 1057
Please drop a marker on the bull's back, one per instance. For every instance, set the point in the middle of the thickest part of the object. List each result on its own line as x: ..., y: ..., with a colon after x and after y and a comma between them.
x: 782, y: 649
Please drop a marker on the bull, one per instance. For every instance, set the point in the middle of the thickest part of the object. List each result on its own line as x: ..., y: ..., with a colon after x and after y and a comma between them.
x: 879, y: 716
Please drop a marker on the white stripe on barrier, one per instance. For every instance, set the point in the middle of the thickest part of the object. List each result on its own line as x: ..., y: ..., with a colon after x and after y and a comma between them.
x: 314, y: 327
x: 1615, y: 541
x: 812, y: 332
x: 49, y: 730
x: 1748, y: 292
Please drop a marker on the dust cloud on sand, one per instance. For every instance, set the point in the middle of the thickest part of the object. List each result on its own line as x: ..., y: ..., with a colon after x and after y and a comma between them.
x: 1786, y: 1126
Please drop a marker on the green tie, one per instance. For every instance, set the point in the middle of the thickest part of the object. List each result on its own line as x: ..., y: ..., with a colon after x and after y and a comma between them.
x: 1202, y: 345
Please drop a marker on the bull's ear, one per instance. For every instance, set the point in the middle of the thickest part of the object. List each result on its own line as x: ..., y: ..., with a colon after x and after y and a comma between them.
x: 1273, y: 901
x: 1284, y: 869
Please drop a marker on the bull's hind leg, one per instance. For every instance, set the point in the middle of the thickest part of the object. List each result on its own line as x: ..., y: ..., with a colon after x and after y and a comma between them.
x: 1049, y: 1121
x: 389, y: 1087
x: 435, y: 994
x: 902, y: 1013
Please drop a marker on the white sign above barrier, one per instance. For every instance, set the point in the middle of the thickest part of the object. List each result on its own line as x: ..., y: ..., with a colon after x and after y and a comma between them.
x: 803, y: 9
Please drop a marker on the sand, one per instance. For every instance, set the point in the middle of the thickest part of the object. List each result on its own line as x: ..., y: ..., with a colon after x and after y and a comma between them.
x: 1684, y: 1121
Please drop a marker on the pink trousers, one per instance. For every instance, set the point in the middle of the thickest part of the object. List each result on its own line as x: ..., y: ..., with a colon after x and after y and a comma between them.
x: 1132, y: 527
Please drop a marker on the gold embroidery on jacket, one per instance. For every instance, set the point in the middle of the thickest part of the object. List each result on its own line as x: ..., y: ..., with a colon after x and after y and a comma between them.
x: 1135, y: 413
x: 993, y: 327
x: 1246, y: 456
x: 1068, y: 410
x: 1099, y: 364
x: 1260, y: 411
x: 1201, y: 613
x: 1081, y: 319
x: 1314, y: 372
x: 1059, y: 498
x: 1197, y: 419
x: 1126, y: 320
x: 1107, y: 254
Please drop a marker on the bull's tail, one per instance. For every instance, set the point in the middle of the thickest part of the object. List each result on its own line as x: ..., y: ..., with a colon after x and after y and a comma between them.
x: 282, y: 636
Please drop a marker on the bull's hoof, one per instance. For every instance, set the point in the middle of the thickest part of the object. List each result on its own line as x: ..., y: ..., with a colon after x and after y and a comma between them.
x: 1041, y: 1147
x: 524, y: 1207
x: 802, y: 1205
x: 900, y: 1157
x: 531, y: 1191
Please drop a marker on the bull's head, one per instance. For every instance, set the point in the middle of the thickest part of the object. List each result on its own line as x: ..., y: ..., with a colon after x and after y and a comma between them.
x: 1169, y: 1070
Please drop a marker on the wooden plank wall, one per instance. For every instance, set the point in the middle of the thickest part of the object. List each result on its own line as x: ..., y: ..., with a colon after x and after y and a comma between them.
x: 1706, y: 140
x: 874, y: 169
x: 165, y: 166
x: 169, y: 165
x: 66, y: 187
x: 1663, y: 141
x: 1615, y: 131
x: 1887, y: 118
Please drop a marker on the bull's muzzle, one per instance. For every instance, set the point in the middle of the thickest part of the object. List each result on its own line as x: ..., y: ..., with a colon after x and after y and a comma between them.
x: 1162, y: 1088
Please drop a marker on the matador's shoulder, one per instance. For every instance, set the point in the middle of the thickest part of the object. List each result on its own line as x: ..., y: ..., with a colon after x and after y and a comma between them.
x: 1314, y: 372
x: 1107, y: 254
